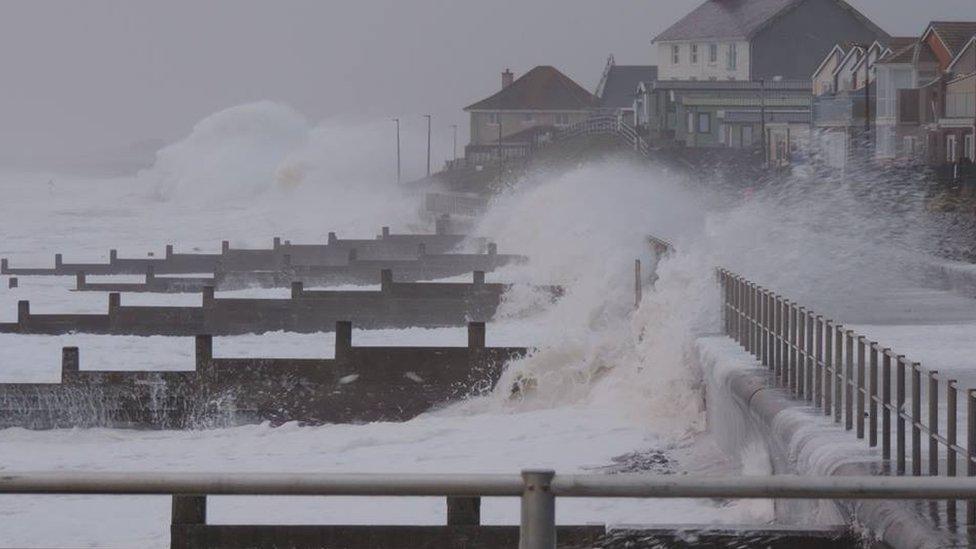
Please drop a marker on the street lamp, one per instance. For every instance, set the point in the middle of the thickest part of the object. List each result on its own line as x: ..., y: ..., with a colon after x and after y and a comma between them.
x: 397, y: 122
x: 427, y: 116
x: 454, y: 127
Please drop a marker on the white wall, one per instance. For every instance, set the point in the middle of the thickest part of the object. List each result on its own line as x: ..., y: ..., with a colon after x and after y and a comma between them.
x: 704, y: 69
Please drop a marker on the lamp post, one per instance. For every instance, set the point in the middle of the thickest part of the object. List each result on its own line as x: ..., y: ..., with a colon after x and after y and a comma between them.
x: 454, y: 127
x: 427, y: 116
x: 397, y: 122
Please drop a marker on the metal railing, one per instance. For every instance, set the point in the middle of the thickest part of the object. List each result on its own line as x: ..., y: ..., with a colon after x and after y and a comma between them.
x: 837, y: 371
x: 538, y: 489
x: 603, y: 124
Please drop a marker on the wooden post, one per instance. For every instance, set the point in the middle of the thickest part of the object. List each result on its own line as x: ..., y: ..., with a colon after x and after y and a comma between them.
x: 343, y: 340
x: 463, y: 511
x: 637, y: 283
x: 476, y: 335
x: 186, y: 511
x: 204, y: 351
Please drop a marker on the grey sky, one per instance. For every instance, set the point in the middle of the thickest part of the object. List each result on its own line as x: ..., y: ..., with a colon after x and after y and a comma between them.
x: 82, y: 76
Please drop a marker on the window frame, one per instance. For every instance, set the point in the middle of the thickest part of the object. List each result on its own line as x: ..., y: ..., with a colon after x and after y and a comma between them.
x: 707, y: 118
x: 950, y: 145
x: 494, y: 118
x: 712, y: 54
x: 693, y: 56
x: 675, y: 54
x: 732, y: 55
x: 690, y: 122
x: 968, y: 145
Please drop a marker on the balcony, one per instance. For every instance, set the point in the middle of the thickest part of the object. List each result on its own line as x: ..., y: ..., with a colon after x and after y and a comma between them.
x: 843, y: 109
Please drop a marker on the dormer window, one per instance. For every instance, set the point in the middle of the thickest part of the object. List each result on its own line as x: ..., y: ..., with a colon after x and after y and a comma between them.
x: 675, y: 54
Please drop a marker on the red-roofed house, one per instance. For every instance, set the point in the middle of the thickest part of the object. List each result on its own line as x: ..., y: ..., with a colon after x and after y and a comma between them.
x: 525, y: 109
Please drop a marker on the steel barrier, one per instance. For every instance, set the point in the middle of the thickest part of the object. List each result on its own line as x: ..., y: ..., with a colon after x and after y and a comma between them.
x: 837, y: 371
x: 537, y: 488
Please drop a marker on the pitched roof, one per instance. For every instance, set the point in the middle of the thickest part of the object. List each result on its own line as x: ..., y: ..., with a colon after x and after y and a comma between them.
x: 542, y: 88
x: 725, y: 19
x: 902, y: 50
x: 970, y: 44
x: 621, y: 84
x: 954, y: 34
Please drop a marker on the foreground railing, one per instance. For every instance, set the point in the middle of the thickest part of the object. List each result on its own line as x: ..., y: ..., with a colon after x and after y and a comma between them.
x: 538, y: 489
x: 837, y: 371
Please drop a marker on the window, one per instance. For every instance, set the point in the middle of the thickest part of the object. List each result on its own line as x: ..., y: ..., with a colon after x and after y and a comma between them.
x: 675, y: 54
x: 694, y: 54
x: 562, y: 119
x: 493, y: 118
x: 746, y: 136
x: 704, y: 122
x: 950, y: 148
x: 691, y: 122
x: 732, y: 57
x: 968, y: 151
x: 909, y: 145
x: 713, y: 53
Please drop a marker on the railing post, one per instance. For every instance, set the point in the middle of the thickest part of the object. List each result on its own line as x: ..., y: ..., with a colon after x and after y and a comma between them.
x: 886, y: 405
x: 801, y: 353
x: 810, y: 362
x: 764, y: 326
x: 538, y: 527
x: 828, y: 368
x: 900, y: 414
x: 818, y: 365
x: 771, y: 329
x: 860, y: 388
x: 951, y: 438
x: 971, y: 451
x: 933, y: 423
x: 838, y: 373
x: 916, y: 419
x: 777, y: 339
x: 186, y: 511
x: 849, y: 381
x: 794, y: 362
x: 873, y: 396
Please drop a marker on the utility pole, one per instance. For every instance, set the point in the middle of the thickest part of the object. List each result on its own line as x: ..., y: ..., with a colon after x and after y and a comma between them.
x: 397, y: 122
x: 427, y: 116
x: 867, y: 98
x: 500, y: 155
x: 762, y: 119
x: 454, y: 127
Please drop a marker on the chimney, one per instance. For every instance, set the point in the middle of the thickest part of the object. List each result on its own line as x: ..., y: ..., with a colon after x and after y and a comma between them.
x: 507, y: 78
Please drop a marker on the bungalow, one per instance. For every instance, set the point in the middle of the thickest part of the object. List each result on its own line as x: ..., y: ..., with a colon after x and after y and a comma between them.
x: 526, y: 109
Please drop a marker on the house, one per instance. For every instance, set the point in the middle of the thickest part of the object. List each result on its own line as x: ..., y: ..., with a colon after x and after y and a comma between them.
x: 525, y: 109
x: 758, y: 39
x: 617, y: 90
x: 845, y: 99
x: 736, y: 73
x: 914, y: 83
x: 957, y: 127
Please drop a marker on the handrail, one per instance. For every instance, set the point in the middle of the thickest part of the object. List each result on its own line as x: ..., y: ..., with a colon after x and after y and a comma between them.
x: 538, y: 489
x: 841, y: 372
x: 625, y: 485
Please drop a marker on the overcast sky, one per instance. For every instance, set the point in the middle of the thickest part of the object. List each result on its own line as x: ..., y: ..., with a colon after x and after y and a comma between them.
x: 82, y: 76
